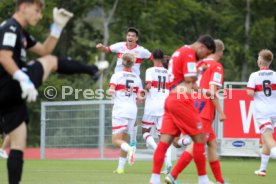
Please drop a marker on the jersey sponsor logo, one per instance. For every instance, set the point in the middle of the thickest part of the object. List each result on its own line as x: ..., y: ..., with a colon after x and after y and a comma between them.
x: 238, y: 143
x: 217, y: 77
x: 191, y: 67
x: 199, y: 126
x: 13, y: 28
x: 9, y: 39
x: 23, y: 55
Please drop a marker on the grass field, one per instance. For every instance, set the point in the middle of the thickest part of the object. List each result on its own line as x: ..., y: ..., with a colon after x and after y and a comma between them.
x: 236, y: 171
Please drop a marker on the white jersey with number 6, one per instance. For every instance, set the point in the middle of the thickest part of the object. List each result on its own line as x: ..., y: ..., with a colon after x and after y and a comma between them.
x: 127, y: 85
x: 155, y: 99
x: 263, y: 82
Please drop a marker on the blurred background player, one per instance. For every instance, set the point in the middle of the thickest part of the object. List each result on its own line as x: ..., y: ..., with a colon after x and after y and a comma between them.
x: 156, y: 85
x: 261, y: 85
x: 180, y: 114
x: 125, y: 87
x: 210, y: 79
x: 19, y: 80
x: 129, y: 46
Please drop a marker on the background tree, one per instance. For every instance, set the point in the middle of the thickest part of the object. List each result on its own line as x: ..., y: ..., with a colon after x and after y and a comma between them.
x: 245, y: 26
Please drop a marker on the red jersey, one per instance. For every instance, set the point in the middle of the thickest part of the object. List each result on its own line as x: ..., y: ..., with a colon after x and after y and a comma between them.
x: 212, y: 75
x: 182, y: 64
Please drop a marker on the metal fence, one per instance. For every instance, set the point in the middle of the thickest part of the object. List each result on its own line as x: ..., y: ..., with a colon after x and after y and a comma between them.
x: 82, y: 130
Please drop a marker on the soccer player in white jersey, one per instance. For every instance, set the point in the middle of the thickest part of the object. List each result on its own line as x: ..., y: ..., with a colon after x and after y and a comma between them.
x: 156, y: 85
x: 129, y: 46
x: 125, y: 86
x: 262, y: 86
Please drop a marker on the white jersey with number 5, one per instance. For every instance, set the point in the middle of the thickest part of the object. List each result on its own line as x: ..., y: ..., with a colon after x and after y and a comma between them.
x: 263, y: 82
x: 155, y: 99
x: 138, y: 51
x: 127, y: 85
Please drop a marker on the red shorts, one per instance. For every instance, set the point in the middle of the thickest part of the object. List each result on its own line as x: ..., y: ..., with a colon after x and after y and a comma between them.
x: 180, y: 116
x: 208, y: 129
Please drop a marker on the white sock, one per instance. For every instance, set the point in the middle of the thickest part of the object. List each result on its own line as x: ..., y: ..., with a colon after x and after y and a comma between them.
x: 264, y: 161
x: 149, y: 139
x: 273, y: 152
x: 168, y: 157
x: 121, y: 163
x: 155, y: 178
x: 125, y: 147
x: 133, y: 136
x: 203, y: 179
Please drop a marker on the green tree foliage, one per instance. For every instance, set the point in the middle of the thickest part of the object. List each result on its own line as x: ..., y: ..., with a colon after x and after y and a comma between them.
x: 163, y: 24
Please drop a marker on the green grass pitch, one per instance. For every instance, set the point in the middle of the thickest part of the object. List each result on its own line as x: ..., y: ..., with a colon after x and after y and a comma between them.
x: 236, y: 171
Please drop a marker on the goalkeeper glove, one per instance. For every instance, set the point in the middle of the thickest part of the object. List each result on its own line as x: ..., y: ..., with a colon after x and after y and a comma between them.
x: 28, y: 90
x: 61, y: 17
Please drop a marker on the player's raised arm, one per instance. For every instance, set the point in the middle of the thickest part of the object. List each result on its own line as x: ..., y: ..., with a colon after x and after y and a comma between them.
x: 61, y: 17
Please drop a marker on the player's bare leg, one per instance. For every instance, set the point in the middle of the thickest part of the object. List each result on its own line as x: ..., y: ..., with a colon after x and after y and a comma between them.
x: 133, y: 135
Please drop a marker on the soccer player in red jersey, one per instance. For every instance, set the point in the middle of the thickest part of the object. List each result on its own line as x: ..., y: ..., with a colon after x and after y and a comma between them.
x: 210, y: 79
x: 180, y: 114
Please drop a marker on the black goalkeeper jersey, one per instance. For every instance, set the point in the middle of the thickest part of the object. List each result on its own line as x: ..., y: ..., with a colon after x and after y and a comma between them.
x: 14, y: 38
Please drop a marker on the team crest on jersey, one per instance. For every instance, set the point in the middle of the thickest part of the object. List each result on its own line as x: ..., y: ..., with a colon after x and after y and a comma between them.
x: 191, y: 67
x: 24, y: 42
x: 199, y: 126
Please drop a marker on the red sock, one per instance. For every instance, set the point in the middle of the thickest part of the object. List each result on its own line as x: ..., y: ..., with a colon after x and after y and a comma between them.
x: 200, y: 159
x: 181, y: 164
x: 215, y: 166
x: 159, y: 157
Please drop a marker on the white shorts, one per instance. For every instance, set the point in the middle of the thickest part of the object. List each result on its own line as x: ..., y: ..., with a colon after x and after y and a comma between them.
x: 121, y: 125
x: 152, y: 121
x: 265, y: 123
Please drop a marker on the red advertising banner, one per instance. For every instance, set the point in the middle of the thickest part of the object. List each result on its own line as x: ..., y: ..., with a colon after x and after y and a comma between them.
x: 238, y: 107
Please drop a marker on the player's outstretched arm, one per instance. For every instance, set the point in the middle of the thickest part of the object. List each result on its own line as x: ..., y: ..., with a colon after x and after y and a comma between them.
x: 61, y: 17
x: 28, y: 89
x: 102, y: 47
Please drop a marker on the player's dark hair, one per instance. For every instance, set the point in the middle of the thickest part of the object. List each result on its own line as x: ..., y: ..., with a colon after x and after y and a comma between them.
x: 158, y: 54
x: 165, y: 61
x: 134, y: 30
x: 208, y: 41
x: 41, y: 3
